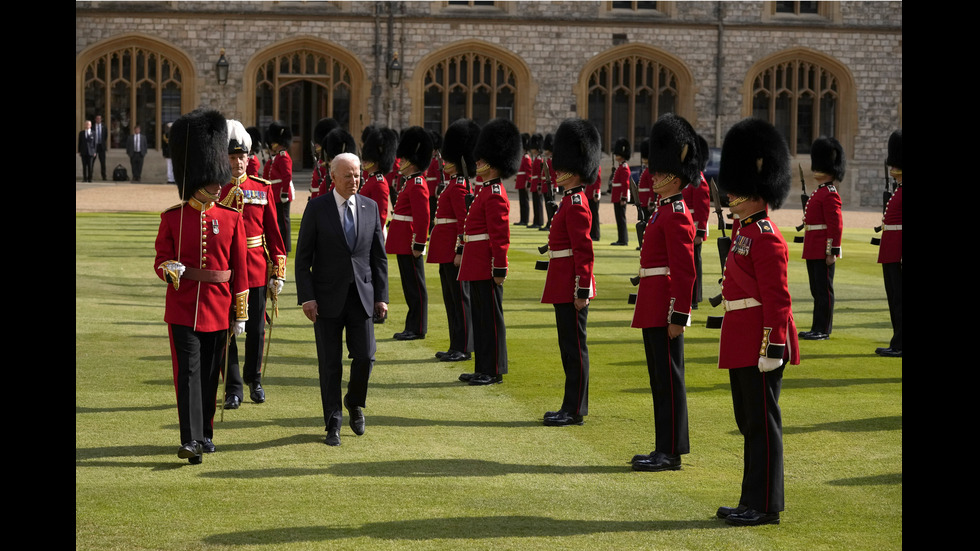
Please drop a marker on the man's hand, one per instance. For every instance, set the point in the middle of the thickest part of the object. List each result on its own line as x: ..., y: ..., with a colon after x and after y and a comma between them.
x: 239, y: 328
x: 457, y: 260
x: 580, y: 303
x: 674, y: 330
x: 831, y: 259
x: 275, y: 285
x: 310, y: 310
x: 768, y: 364
x: 416, y: 254
x: 380, y: 310
x: 499, y: 280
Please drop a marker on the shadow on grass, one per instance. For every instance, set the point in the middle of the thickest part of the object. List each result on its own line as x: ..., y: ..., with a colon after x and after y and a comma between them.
x: 871, y: 424
x: 876, y: 480
x: 94, y: 457
x: 456, y: 528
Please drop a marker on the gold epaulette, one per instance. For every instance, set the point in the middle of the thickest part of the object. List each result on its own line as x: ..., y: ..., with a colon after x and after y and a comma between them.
x: 177, y: 206
x: 234, y: 199
x: 261, y: 180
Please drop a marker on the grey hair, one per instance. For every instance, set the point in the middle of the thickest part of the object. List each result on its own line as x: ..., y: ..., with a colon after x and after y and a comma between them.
x: 349, y: 157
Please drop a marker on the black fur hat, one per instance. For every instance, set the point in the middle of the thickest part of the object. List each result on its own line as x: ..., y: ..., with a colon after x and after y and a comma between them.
x: 549, y: 142
x: 894, y: 150
x: 645, y: 148
x: 755, y: 162
x: 338, y: 141
x: 827, y: 156
x: 622, y: 148
x: 436, y: 139
x: 535, y: 142
x: 379, y: 147
x: 199, y: 151
x: 499, y: 146
x: 525, y: 140
x: 674, y: 149
x: 256, y: 135
x: 416, y: 147
x: 279, y: 133
x: 704, y: 152
x: 459, y: 142
x: 323, y: 127
x: 577, y: 149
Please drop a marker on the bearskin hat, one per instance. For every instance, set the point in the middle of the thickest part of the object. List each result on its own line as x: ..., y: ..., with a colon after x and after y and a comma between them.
x: 238, y: 139
x: 499, y: 146
x: 827, y: 156
x: 755, y: 162
x: 459, y: 143
x: 894, y: 150
x: 645, y: 148
x: 674, y: 149
x: 436, y: 140
x: 338, y: 141
x: 323, y: 127
x: 416, y: 147
x: 704, y: 153
x: 379, y: 147
x: 198, y: 150
x: 622, y: 148
x: 549, y: 142
x: 279, y: 133
x: 256, y: 136
x: 577, y: 149
x: 525, y: 140
x: 535, y: 142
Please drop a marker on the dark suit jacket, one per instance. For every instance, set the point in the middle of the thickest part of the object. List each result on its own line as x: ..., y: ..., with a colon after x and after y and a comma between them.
x: 86, y: 147
x: 129, y: 145
x: 325, y: 266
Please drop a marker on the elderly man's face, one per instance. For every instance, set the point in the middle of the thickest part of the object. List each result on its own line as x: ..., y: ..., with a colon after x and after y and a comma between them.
x: 346, y: 175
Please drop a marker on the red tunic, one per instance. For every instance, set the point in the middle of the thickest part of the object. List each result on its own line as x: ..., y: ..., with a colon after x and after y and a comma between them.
x: 253, y: 167
x: 594, y: 190
x: 410, y: 220
x: 823, y: 208
x: 209, y: 237
x: 668, y: 242
x: 376, y: 188
x: 646, y: 197
x: 487, y: 232
x: 547, y: 176
x: 535, y: 180
x: 261, y: 227
x: 524, y: 173
x: 318, y: 184
x: 570, y: 273
x: 434, y: 176
x: 450, y: 221
x: 698, y: 200
x: 281, y: 176
x: 891, y: 239
x: 757, y: 269
x: 621, y: 183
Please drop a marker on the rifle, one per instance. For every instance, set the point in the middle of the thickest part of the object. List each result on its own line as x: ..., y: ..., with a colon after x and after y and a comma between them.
x: 724, y: 242
x: 886, y: 196
x: 803, y: 200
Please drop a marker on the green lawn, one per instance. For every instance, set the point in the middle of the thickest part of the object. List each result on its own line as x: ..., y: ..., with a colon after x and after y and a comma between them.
x: 448, y: 466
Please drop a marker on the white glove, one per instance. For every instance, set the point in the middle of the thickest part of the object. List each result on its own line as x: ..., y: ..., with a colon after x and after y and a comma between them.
x: 275, y: 285
x: 174, y: 267
x: 239, y: 328
x: 768, y: 364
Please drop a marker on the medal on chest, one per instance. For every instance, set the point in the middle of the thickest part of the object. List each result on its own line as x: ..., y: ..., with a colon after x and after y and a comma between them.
x: 742, y: 245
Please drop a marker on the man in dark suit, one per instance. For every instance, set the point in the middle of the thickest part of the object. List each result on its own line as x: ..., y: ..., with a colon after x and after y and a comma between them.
x: 98, y: 130
x: 86, y: 148
x: 136, y: 149
x: 341, y: 281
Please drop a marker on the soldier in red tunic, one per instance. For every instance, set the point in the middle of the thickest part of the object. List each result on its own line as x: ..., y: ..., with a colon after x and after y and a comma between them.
x: 254, y: 168
x: 320, y: 182
x: 201, y: 254
x: 890, y: 253
x: 621, y: 189
x: 570, y: 283
x: 594, y: 192
x: 645, y: 197
x: 823, y: 224
x: 486, y: 241
x: 377, y: 158
x: 534, y: 185
x: 266, y: 265
x: 522, y: 179
x: 547, y: 184
x: 336, y: 141
x: 409, y: 230
x: 447, y: 234
x: 435, y: 176
x: 663, y: 299
x: 280, y: 176
x: 697, y: 197
x: 758, y: 336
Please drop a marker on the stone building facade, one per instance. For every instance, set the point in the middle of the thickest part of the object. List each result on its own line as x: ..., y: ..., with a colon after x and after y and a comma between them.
x: 811, y: 68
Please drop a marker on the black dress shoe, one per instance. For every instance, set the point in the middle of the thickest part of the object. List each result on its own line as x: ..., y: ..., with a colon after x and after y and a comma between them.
x: 481, y: 379
x: 232, y: 402
x: 465, y: 377
x: 256, y: 393
x: 889, y: 352
x: 521, y: 223
x: 813, y: 336
x: 532, y: 226
x: 191, y: 451
x: 563, y: 419
x: 439, y: 355
x: 356, y: 418
x: 751, y: 517
x: 725, y: 512
x: 408, y: 336
x: 207, y: 446
x: 642, y: 457
x: 456, y: 356
x: 333, y: 437
x: 658, y: 461
x: 618, y: 244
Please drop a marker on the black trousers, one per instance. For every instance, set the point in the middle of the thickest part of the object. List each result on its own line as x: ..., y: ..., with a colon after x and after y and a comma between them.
x: 892, y: 272
x: 196, y: 357
x: 696, y: 294
x: 619, y: 209
x: 822, y: 290
x: 550, y: 207
x: 641, y: 224
x: 456, y: 296
x: 136, y: 162
x: 254, y: 347
x: 282, y: 217
x: 594, y: 207
x: 522, y: 200
x: 537, y: 205
x: 574, y: 349
x: 489, y: 332
x: 88, y: 166
x: 329, y: 332
x: 412, y: 271
x: 665, y: 365
x: 755, y: 396
x: 100, y: 153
